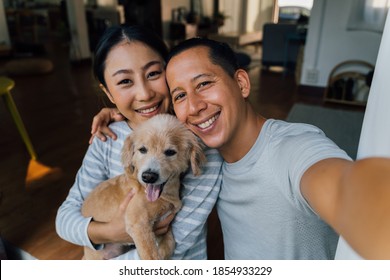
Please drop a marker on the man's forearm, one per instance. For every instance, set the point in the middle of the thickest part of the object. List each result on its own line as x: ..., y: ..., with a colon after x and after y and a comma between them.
x: 364, y: 213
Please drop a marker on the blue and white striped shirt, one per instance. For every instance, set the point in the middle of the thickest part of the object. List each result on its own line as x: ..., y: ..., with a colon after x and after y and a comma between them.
x: 103, y: 161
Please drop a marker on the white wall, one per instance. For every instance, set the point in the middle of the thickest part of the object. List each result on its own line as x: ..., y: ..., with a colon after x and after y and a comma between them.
x: 233, y: 9
x: 79, y: 48
x: 258, y: 13
x: 328, y: 42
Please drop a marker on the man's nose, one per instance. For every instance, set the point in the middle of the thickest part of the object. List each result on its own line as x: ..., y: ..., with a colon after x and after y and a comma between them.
x: 196, y: 104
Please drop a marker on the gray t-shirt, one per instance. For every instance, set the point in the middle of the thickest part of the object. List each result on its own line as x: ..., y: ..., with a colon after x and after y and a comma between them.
x: 262, y: 211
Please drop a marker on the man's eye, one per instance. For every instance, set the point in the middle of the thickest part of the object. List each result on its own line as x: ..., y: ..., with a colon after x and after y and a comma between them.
x: 203, y: 84
x: 143, y: 150
x: 170, y: 152
x: 179, y: 96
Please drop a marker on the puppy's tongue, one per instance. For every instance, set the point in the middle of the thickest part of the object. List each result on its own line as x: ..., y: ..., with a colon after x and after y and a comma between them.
x: 153, y: 192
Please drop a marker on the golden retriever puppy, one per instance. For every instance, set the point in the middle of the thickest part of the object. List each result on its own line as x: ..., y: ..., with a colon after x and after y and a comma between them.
x: 154, y: 156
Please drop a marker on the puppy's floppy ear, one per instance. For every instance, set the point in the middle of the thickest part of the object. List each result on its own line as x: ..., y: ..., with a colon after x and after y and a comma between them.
x: 197, y: 156
x: 127, y: 154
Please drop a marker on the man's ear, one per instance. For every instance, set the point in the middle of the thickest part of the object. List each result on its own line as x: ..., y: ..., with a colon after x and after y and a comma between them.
x: 105, y: 90
x: 243, y: 81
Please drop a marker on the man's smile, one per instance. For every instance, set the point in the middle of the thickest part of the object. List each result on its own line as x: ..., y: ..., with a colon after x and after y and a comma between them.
x: 209, y: 122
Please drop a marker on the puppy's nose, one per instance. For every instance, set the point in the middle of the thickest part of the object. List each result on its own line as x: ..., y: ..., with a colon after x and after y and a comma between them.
x: 149, y: 177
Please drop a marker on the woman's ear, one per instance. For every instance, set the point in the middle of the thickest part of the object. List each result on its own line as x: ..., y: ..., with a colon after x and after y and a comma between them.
x: 243, y: 81
x: 105, y: 90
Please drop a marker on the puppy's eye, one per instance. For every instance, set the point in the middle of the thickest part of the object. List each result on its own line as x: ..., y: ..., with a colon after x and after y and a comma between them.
x: 169, y: 152
x: 143, y: 150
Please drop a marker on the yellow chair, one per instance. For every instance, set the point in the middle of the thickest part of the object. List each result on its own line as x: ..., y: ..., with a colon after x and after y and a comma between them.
x: 36, y: 171
x: 6, y: 84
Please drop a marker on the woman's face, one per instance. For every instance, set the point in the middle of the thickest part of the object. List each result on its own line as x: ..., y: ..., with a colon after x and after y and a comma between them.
x: 135, y: 79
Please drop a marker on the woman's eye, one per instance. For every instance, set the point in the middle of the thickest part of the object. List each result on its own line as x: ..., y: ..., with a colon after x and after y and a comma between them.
x: 154, y: 74
x: 125, y: 82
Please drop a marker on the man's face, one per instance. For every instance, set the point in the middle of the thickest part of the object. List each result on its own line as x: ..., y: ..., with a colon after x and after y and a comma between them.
x: 205, y: 98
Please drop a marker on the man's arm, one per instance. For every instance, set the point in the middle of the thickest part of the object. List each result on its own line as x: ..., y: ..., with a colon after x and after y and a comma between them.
x: 353, y: 198
x: 100, y: 122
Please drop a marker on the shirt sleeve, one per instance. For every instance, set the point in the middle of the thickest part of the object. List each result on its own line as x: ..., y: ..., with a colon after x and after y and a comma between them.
x: 299, y: 152
x: 71, y: 225
x: 198, y: 195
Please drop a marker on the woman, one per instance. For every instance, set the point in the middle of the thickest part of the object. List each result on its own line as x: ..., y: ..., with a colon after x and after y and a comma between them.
x: 129, y: 65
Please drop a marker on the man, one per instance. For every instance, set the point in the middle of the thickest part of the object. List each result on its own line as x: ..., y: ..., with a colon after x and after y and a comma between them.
x: 280, y: 180
x: 287, y: 189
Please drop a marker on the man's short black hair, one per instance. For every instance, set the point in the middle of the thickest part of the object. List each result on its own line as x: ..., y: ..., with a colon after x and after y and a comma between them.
x: 219, y: 53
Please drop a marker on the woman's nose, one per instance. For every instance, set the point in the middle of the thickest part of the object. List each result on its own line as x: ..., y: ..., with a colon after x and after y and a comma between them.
x: 144, y: 92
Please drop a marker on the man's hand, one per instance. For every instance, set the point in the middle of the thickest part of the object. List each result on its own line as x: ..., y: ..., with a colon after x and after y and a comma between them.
x: 101, y: 121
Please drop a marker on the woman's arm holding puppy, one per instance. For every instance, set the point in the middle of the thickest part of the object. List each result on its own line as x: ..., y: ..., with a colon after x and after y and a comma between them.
x: 115, y: 231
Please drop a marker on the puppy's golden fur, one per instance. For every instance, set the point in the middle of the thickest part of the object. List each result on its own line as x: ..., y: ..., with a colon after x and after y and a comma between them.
x: 154, y: 156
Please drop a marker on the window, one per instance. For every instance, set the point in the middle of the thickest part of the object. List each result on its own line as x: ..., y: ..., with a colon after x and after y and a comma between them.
x: 369, y: 15
x: 292, y: 10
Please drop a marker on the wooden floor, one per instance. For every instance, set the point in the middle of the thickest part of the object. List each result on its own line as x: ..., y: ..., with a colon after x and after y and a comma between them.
x: 57, y: 109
